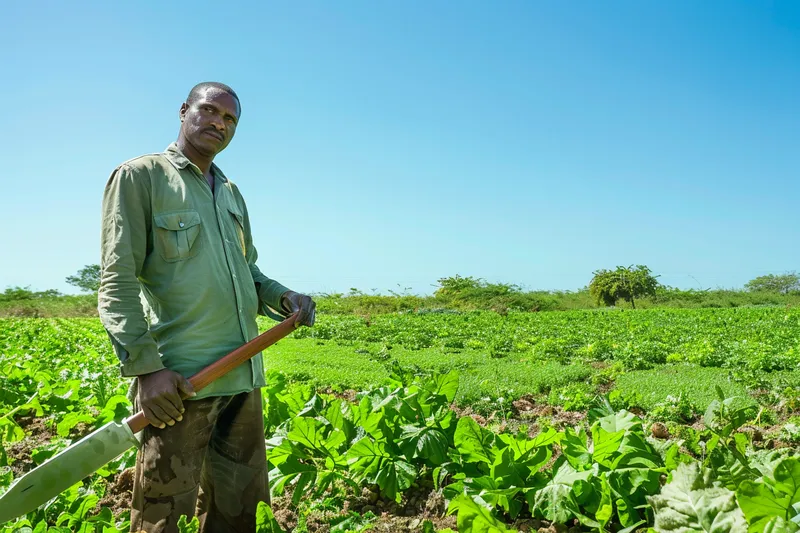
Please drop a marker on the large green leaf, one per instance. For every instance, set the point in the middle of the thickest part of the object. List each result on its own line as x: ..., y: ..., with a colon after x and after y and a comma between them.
x: 432, y: 445
x: 773, y: 498
x: 621, y: 421
x: 575, y: 447
x: 308, y: 432
x: 606, y: 446
x: 765, y: 461
x: 728, y: 470
x: 445, y: 385
x: 636, y: 452
x: 787, y: 481
x: 70, y: 421
x: 265, y: 520
x: 515, y: 471
x: 776, y: 524
x: 394, y: 478
x: 495, y: 493
x: 629, y: 487
x: 556, y: 501
x: 368, y: 419
x: 339, y: 415
x: 511, y: 473
x: 522, y: 445
x: 603, y: 509
x: 473, y: 442
x: 474, y: 518
x: 370, y: 461
x: 691, y: 503
x: 280, y: 449
x: 292, y: 471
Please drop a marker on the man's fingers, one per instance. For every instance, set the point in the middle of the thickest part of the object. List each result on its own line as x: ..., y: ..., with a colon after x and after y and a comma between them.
x: 186, y: 387
x: 154, y: 415
x: 302, y: 318
x: 311, y: 313
x: 173, y: 405
x: 172, y: 412
x: 306, y: 315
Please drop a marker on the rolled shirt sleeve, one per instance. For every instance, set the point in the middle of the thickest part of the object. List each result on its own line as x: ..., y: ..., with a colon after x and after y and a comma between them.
x: 124, y: 245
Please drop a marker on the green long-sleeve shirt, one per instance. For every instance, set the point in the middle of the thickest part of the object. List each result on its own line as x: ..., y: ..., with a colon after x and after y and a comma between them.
x: 190, y: 253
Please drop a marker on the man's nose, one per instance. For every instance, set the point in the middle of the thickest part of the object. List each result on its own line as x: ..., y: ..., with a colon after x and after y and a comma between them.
x: 217, y: 122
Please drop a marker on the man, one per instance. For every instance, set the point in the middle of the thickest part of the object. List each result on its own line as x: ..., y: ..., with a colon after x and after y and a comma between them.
x: 176, y: 230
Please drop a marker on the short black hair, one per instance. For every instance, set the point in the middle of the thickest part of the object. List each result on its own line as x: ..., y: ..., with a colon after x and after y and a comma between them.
x: 196, y: 91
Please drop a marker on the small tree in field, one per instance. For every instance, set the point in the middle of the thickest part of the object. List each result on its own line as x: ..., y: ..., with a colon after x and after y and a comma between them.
x: 457, y: 284
x: 783, y: 284
x: 624, y: 283
x: 87, y: 278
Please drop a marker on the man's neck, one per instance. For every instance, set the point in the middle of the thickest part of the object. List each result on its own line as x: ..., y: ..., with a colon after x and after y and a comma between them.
x: 201, y: 161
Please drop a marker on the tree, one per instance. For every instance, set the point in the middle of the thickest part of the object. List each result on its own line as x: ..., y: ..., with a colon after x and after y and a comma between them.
x: 457, y: 284
x: 12, y: 294
x: 783, y: 284
x: 87, y: 279
x: 624, y: 283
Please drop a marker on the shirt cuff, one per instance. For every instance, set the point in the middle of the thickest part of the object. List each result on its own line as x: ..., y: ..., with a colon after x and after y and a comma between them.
x: 269, y: 300
x: 143, y: 360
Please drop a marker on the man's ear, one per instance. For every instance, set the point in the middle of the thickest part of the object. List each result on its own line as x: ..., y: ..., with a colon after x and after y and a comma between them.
x: 182, y: 112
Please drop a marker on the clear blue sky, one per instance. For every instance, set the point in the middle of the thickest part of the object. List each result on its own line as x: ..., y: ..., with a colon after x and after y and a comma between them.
x: 386, y: 143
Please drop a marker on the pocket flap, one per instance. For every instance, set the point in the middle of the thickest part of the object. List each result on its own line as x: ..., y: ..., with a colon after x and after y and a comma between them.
x: 177, y: 221
x: 236, y: 214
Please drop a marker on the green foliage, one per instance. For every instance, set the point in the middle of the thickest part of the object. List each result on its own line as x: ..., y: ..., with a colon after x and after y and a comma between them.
x: 780, y: 284
x: 265, y: 521
x: 679, y: 392
x: 87, y: 279
x: 26, y: 303
x: 624, y: 283
x: 470, y: 293
x: 476, y: 518
x: 775, y: 500
x: 572, y: 397
x: 454, y: 294
x: 192, y: 526
x: 692, y: 502
x: 16, y: 294
x: 457, y: 285
x: 399, y: 433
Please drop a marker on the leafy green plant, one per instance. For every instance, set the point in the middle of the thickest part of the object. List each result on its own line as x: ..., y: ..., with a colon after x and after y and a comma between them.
x: 399, y: 433
x: 573, y: 397
x: 624, y: 283
x: 691, y: 501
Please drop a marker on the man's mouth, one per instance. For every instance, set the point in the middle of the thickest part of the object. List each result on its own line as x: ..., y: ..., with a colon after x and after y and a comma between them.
x: 214, y: 134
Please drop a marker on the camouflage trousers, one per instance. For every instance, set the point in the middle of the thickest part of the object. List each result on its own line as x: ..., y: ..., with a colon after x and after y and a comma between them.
x: 211, y: 465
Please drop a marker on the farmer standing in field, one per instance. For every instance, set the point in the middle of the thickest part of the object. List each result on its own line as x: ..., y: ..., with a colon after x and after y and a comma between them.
x: 177, y: 229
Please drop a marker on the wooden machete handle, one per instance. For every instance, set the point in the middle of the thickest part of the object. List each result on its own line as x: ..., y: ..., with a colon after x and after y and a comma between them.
x: 221, y: 367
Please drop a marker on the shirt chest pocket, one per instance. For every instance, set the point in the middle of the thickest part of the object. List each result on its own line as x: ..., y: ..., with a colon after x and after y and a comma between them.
x: 176, y: 235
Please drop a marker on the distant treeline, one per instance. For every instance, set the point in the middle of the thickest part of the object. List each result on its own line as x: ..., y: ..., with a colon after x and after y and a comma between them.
x: 460, y: 294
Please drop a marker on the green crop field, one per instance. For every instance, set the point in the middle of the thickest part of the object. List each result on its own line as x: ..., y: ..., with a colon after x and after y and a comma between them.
x: 659, y: 419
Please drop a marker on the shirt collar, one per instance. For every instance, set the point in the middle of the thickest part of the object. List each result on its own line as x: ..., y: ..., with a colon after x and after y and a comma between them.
x: 180, y: 161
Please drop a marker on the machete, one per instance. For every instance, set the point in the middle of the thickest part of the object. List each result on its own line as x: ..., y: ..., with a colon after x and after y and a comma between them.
x: 92, y: 452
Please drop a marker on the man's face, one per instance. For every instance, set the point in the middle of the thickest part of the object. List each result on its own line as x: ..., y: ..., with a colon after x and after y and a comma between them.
x: 209, y: 122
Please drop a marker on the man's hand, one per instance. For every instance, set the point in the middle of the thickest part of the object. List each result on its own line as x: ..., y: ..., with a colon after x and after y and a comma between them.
x: 293, y: 302
x: 160, y: 396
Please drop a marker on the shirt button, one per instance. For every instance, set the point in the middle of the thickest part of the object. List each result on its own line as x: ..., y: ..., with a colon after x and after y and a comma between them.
x: 180, y: 224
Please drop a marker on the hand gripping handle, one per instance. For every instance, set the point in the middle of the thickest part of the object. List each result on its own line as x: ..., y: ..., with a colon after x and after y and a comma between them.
x: 221, y: 367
